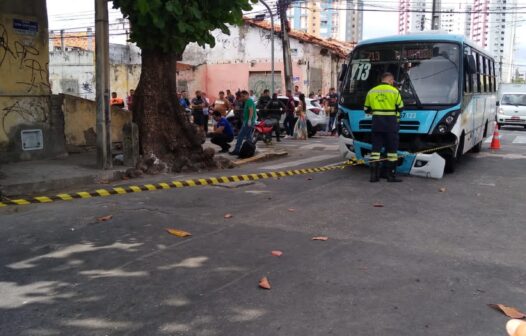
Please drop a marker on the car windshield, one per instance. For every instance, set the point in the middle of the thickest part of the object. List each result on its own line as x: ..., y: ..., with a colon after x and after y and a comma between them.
x: 427, y: 73
x: 518, y: 99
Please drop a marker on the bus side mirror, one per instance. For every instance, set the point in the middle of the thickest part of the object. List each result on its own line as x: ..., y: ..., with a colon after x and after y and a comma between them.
x: 470, y: 64
x: 343, y: 72
x: 498, y: 103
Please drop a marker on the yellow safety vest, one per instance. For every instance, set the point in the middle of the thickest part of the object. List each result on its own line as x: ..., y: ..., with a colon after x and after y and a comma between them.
x: 384, y: 100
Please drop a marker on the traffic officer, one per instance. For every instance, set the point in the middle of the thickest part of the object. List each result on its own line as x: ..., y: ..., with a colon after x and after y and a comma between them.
x: 385, y: 103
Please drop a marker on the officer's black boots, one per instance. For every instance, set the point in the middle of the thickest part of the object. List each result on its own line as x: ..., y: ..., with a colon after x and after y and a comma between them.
x: 375, y: 172
x: 392, y: 173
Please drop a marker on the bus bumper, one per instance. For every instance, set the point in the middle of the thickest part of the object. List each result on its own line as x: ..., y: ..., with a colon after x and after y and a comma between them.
x: 423, y: 165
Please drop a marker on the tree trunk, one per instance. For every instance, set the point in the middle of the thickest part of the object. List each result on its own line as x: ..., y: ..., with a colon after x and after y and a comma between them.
x: 164, y: 127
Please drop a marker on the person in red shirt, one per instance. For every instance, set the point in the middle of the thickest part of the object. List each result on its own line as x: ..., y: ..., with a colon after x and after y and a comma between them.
x: 116, y: 101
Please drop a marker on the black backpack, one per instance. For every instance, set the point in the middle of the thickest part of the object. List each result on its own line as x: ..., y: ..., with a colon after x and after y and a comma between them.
x: 248, y: 149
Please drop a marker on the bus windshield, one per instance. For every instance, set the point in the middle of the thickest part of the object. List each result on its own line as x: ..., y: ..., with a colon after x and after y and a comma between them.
x: 427, y: 72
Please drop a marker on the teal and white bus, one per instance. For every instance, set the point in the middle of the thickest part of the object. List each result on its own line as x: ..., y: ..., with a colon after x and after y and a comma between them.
x: 449, y: 90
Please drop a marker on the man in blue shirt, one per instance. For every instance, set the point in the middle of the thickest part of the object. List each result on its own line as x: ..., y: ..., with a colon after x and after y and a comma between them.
x: 223, y: 133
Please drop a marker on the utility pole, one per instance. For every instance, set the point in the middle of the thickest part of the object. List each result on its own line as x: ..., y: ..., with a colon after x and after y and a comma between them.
x: 435, y: 16
x: 287, y: 58
x: 271, y: 44
x: 103, y: 126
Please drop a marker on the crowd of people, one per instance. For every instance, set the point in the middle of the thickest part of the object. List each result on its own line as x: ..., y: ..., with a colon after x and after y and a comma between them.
x: 247, y: 108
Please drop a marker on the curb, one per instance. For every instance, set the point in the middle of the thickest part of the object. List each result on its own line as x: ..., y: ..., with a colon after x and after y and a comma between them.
x: 43, y: 186
x: 165, y: 185
x: 261, y: 157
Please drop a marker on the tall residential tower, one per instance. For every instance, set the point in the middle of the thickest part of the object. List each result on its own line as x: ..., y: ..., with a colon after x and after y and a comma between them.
x: 337, y: 19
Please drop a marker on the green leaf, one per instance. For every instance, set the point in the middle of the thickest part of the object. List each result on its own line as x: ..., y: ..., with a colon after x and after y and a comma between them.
x: 143, y: 6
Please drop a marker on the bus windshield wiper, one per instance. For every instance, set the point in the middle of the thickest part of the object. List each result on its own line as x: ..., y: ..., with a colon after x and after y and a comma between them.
x: 407, y: 79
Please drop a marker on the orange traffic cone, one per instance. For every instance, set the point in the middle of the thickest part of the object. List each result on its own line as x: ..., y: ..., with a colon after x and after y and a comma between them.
x: 495, y: 142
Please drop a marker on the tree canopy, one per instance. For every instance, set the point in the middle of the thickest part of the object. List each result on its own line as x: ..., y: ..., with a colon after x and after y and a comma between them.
x: 170, y: 25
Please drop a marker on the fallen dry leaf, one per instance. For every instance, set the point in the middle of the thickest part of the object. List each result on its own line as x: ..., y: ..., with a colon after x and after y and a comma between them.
x: 179, y: 233
x: 320, y: 238
x: 104, y: 218
x: 264, y: 283
x: 292, y: 209
x: 228, y: 216
x: 508, y: 311
x: 277, y: 253
x: 378, y: 205
x: 442, y: 189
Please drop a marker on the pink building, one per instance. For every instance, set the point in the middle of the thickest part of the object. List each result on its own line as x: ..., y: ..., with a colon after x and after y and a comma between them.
x: 241, y: 60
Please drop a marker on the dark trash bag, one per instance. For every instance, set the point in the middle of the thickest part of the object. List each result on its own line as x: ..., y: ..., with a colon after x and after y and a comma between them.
x: 248, y: 149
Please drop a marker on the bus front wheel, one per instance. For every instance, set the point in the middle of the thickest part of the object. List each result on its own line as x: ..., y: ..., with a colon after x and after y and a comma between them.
x: 453, y: 159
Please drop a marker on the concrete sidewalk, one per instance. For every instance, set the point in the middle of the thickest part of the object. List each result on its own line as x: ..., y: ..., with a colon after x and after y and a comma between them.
x: 75, y: 170
x: 40, y: 176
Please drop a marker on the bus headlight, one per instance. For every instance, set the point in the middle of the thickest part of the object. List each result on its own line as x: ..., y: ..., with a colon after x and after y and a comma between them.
x: 447, y: 122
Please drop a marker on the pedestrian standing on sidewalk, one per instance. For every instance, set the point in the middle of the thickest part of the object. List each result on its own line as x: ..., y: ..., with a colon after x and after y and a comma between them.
x: 197, y: 106
x: 231, y: 98
x: 275, y: 109
x: 221, y: 104
x: 333, y: 108
x: 300, y: 129
x: 249, y: 120
x: 289, y: 117
x: 223, y: 133
x: 116, y: 101
x: 129, y: 100
x: 263, y: 101
x: 297, y: 91
x: 206, y: 112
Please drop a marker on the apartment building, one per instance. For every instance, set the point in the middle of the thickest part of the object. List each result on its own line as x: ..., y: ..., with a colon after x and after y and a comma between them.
x: 489, y: 23
x: 336, y: 19
x: 493, y: 27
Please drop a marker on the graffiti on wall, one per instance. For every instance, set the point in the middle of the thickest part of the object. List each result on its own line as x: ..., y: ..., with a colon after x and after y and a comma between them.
x: 14, y: 112
x: 225, y: 41
x: 259, y: 81
x: 22, y: 60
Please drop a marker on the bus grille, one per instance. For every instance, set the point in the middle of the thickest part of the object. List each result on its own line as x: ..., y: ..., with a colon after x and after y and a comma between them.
x: 404, y: 125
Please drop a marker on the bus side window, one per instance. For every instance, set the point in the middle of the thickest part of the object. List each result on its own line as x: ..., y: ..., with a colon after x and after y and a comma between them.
x: 490, y: 74
x: 476, y: 76
x: 468, y: 79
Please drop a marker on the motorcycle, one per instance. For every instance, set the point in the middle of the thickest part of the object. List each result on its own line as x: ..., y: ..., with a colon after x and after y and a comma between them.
x: 263, y: 131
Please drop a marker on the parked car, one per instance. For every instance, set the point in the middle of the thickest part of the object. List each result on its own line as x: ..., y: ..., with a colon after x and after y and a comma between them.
x: 316, y: 117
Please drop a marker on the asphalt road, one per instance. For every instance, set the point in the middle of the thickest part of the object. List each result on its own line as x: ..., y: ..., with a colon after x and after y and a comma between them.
x: 426, y: 263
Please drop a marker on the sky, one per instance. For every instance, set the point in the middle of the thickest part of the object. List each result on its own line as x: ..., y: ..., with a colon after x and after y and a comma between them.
x: 77, y: 15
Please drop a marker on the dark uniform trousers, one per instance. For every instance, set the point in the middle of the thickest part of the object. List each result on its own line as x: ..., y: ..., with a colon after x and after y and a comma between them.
x: 385, y: 135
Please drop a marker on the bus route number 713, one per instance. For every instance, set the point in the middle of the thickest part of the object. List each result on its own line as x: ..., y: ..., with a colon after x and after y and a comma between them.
x: 361, y: 70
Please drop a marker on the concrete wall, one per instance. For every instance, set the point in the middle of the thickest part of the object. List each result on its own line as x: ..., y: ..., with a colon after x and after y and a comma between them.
x: 80, y: 119
x: 247, y: 49
x: 25, y: 97
x: 73, y: 72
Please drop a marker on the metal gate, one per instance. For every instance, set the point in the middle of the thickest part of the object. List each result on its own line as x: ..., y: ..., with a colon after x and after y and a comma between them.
x: 261, y: 80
